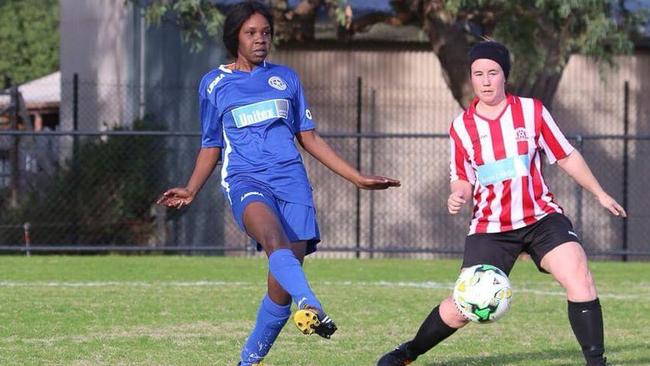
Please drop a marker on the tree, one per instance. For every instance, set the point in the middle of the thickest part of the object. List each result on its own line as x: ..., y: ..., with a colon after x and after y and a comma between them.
x: 29, y: 38
x: 541, y: 34
x: 102, y: 197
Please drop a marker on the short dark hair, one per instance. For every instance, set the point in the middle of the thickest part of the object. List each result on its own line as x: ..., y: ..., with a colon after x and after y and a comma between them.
x: 236, y: 17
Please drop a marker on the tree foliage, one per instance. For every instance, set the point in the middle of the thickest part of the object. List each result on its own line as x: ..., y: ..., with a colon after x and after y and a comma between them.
x: 542, y: 34
x: 29, y: 38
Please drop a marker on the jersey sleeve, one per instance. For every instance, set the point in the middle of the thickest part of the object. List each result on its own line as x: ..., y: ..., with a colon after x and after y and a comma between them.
x: 302, y: 118
x: 459, y: 166
x: 551, y: 139
x: 211, y: 126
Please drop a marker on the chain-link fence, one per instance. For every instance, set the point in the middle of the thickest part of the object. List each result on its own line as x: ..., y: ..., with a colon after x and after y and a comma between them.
x: 96, y: 191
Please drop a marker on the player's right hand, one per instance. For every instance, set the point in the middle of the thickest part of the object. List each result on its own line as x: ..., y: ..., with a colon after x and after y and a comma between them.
x: 176, y: 197
x: 455, y: 202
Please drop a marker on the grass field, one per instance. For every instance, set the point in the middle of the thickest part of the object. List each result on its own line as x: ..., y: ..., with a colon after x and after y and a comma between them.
x: 129, y: 310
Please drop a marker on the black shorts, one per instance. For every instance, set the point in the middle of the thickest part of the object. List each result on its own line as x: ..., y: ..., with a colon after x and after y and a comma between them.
x: 502, y: 249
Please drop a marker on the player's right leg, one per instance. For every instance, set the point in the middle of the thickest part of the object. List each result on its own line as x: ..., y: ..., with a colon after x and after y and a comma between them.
x: 273, y: 314
x: 500, y: 250
x: 262, y: 224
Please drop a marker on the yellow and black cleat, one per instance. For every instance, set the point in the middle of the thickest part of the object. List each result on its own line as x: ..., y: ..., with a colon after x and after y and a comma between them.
x: 309, y: 322
x: 306, y: 320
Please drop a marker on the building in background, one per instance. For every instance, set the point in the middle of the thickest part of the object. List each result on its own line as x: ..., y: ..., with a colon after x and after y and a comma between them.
x: 385, y: 82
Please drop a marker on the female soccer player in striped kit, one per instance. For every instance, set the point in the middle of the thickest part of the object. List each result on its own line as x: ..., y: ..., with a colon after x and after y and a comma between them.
x: 496, y: 162
x: 251, y: 113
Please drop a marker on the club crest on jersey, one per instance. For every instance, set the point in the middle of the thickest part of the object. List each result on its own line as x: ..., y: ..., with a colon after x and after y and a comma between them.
x: 259, y: 112
x: 521, y: 134
x: 277, y: 83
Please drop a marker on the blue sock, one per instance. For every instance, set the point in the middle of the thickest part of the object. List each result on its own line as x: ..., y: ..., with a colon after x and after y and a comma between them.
x: 271, y: 317
x: 286, y: 268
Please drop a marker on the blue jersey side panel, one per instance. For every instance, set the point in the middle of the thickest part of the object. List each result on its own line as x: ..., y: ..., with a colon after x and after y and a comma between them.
x: 254, y: 117
x: 212, y: 133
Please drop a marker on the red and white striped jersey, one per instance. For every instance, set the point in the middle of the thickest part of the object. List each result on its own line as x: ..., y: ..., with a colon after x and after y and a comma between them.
x: 501, y: 159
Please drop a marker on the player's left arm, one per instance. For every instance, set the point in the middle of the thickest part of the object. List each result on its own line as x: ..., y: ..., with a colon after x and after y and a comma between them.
x: 576, y: 167
x: 558, y: 149
x: 317, y: 147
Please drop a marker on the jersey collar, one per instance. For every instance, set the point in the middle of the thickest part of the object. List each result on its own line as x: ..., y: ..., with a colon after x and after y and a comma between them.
x: 225, y: 68
x: 471, y: 110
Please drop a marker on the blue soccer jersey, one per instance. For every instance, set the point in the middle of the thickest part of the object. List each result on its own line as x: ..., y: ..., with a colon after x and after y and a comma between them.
x: 253, y: 117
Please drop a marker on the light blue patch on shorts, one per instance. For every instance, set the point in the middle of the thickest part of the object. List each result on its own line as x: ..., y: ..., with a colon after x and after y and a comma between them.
x: 504, y: 169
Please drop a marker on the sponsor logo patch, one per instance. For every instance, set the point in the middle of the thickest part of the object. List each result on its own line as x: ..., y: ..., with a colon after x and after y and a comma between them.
x: 504, y: 169
x: 259, y: 112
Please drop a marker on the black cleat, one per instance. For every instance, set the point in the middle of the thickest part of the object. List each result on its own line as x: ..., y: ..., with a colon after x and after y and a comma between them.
x: 602, y: 362
x: 310, y: 320
x: 400, y: 356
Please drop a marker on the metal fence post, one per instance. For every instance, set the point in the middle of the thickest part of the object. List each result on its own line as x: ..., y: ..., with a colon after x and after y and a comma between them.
x: 15, y: 147
x: 578, y: 189
x: 75, y: 155
x: 28, y: 238
x: 626, y: 126
x: 358, y: 197
x: 371, y: 238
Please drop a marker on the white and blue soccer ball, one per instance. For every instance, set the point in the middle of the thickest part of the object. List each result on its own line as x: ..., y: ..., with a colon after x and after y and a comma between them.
x: 482, y: 293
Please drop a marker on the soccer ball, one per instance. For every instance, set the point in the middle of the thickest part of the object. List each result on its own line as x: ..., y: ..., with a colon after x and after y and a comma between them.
x: 482, y: 293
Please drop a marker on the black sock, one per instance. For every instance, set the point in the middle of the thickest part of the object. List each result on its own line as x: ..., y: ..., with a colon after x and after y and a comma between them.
x: 432, y: 331
x: 586, y: 320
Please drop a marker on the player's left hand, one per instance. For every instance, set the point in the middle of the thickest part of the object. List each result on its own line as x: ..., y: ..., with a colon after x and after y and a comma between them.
x: 376, y: 182
x: 609, y: 203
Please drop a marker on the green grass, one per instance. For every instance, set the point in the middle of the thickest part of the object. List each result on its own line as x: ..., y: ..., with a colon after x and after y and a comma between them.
x: 128, y: 310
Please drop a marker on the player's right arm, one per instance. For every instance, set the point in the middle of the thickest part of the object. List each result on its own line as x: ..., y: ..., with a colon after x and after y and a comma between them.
x: 461, y: 192
x: 206, y: 161
x: 462, y: 174
x: 211, y: 145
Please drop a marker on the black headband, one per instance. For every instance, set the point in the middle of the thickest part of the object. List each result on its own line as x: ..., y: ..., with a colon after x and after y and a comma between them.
x: 492, y: 50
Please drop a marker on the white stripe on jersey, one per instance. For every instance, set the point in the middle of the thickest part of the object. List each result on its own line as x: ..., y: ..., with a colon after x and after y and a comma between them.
x: 224, y: 167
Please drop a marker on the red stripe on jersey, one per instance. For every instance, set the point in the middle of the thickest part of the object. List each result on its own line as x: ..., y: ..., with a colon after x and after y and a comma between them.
x: 496, y: 135
x: 550, y: 139
x: 527, y: 202
x: 518, y: 121
x: 537, y: 107
x: 522, y: 148
x: 470, y: 126
x: 538, y: 189
x: 505, y: 217
x: 499, y: 150
x: 481, y: 226
x: 550, y: 195
x: 459, y: 155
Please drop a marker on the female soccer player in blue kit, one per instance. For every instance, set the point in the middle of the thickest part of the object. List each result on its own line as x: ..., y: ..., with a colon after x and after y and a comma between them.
x: 251, y: 110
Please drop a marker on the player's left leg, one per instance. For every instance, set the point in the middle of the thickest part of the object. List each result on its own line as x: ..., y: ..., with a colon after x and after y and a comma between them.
x: 568, y: 264
x: 273, y: 313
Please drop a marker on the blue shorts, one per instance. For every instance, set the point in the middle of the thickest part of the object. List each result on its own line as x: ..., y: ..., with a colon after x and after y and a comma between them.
x: 299, y: 221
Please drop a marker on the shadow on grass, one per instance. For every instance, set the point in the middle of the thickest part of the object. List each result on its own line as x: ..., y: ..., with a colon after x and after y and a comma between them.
x: 559, y: 354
